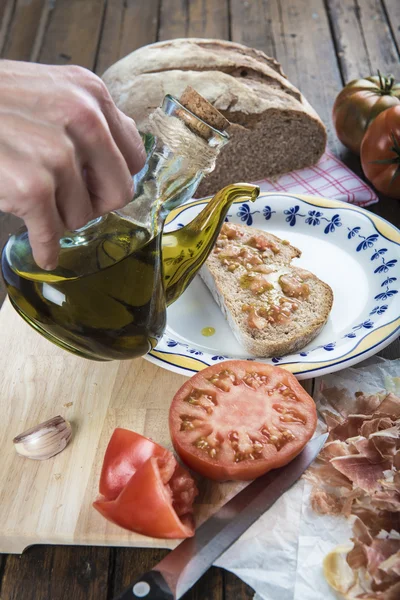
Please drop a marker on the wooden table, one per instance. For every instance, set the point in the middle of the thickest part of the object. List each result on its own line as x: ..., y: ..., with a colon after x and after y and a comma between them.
x: 321, y: 44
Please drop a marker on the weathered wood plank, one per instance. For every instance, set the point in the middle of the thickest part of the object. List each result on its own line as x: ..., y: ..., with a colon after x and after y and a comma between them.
x: 211, y: 587
x: 252, y: 25
x: 388, y: 209
x: 57, y: 573
x: 301, y: 41
x: 235, y: 588
x: 392, y: 8
x: 73, y: 32
x: 363, y: 38
x: 197, y: 18
x: 392, y: 351
x: 174, y: 18
x: 131, y: 563
x: 24, y: 29
x: 3, y: 561
x: 128, y: 25
x: 7, y: 8
x: 208, y: 19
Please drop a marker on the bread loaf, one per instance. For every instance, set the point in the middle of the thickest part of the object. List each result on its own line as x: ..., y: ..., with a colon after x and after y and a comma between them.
x: 272, y: 307
x: 273, y: 128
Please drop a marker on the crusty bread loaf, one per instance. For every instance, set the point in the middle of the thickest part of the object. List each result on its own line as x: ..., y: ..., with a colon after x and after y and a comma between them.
x: 273, y: 128
x: 270, y: 314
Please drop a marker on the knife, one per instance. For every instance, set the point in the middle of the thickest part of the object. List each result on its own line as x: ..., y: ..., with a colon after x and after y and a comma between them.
x: 175, y: 574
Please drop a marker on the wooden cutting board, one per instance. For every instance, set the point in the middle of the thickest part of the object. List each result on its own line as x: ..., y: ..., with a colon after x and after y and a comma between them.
x: 49, y: 502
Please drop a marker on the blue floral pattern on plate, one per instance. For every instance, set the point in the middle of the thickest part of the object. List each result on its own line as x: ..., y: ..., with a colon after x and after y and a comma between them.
x: 379, y: 310
x: 268, y: 212
x: 246, y: 215
x: 292, y: 214
x: 173, y: 343
x: 360, y: 238
x: 313, y: 218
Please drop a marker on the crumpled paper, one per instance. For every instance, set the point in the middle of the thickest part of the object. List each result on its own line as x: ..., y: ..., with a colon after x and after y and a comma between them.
x: 281, y: 554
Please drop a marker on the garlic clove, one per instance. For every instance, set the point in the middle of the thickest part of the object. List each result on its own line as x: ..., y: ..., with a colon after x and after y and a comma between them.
x: 45, y: 440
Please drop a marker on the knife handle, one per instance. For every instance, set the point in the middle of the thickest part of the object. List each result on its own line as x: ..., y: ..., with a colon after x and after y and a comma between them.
x: 149, y: 586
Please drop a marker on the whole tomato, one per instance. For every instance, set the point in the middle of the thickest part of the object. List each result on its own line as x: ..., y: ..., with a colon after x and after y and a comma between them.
x: 359, y: 103
x: 380, y: 152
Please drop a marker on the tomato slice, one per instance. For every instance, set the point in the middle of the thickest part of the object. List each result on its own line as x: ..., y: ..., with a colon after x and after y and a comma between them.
x: 239, y: 419
x: 144, y: 489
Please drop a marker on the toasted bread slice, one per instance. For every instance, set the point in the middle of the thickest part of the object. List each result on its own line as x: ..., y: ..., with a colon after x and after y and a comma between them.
x: 272, y: 307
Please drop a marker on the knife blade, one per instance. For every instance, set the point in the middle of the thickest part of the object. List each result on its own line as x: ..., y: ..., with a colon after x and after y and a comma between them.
x: 175, y: 574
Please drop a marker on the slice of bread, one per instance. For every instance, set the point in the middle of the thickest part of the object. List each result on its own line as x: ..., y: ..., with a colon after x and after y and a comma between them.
x: 273, y: 129
x: 272, y: 307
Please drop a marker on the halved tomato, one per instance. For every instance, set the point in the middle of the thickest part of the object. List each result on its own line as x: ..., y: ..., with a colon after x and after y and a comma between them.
x: 144, y: 489
x: 239, y: 419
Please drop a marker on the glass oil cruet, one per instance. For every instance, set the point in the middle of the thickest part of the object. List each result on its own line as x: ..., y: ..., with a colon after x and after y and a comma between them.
x: 107, y: 298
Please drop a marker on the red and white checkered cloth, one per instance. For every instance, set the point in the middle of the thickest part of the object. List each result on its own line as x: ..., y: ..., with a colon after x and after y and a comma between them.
x: 329, y: 178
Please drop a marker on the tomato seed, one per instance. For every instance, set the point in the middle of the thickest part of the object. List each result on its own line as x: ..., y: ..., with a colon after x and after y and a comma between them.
x: 201, y: 399
x: 186, y: 426
x: 290, y: 418
x: 239, y: 456
x: 201, y: 443
x: 223, y: 380
x: 255, y: 380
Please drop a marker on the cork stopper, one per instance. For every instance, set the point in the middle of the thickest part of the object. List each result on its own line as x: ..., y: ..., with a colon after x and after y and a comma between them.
x: 205, y: 111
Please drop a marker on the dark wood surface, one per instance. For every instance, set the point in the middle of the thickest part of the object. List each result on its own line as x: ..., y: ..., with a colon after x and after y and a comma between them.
x: 321, y: 44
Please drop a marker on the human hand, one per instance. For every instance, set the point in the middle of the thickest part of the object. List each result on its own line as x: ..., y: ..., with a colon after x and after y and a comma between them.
x: 67, y: 154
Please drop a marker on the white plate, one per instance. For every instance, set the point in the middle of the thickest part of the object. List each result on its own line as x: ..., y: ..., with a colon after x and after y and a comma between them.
x: 353, y: 250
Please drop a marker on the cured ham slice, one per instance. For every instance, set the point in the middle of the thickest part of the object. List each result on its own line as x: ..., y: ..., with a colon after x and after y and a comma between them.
x: 362, y: 472
x: 387, y: 500
x: 357, y: 474
x: 361, y: 532
x: 365, y: 405
x: 386, y: 441
x: 375, y: 520
x: 377, y: 423
x: 331, y: 419
x: 325, y: 474
x: 378, y: 552
x: 396, y: 460
x: 391, y: 567
x: 334, y: 449
x: 366, y: 448
x: 326, y: 504
x: 390, y: 405
x: 393, y: 593
x: 349, y: 428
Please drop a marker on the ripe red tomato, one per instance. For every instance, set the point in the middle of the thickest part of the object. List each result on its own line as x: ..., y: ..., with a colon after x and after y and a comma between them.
x: 380, y: 152
x: 144, y: 489
x: 239, y: 419
x: 359, y: 103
